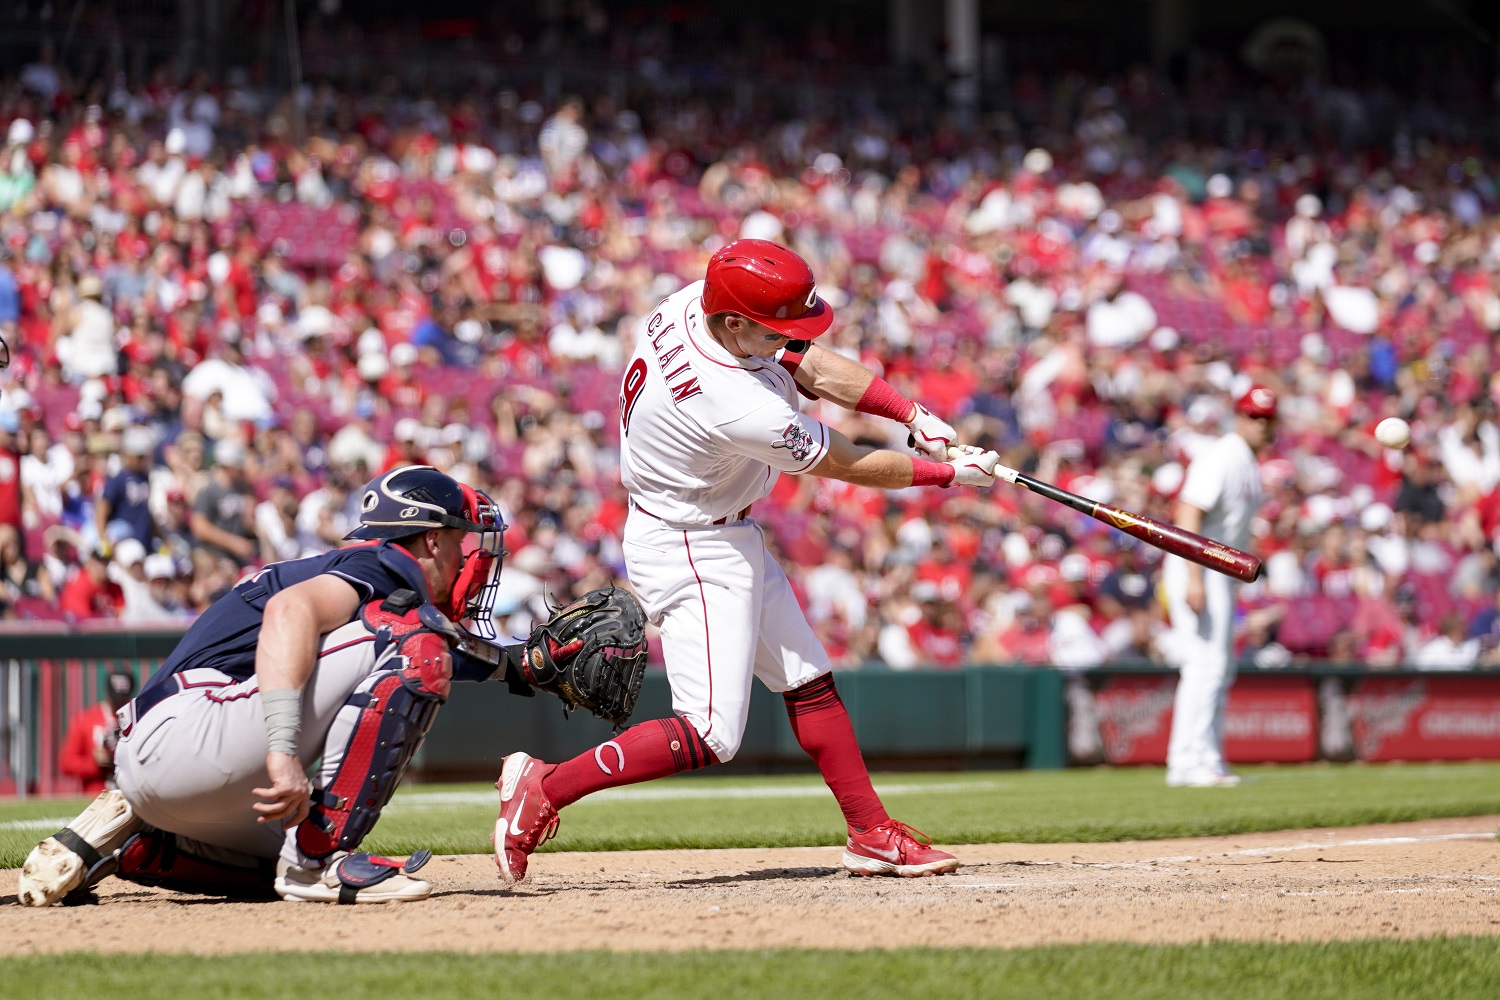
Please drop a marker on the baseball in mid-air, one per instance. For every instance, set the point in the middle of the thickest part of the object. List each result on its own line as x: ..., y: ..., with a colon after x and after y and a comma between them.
x: 1393, y: 432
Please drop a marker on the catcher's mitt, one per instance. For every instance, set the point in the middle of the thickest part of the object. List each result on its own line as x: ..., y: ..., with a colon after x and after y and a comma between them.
x: 591, y: 654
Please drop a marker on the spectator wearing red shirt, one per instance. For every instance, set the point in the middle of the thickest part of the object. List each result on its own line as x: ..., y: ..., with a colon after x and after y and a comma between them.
x: 88, y: 750
x: 1026, y: 639
x: 90, y: 593
x: 10, y: 470
x: 938, y: 636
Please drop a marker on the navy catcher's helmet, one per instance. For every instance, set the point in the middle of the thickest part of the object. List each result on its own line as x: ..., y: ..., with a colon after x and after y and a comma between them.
x: 417, y: 498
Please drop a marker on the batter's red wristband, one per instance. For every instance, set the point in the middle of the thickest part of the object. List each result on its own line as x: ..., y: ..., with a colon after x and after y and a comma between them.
x: 882, y: 400
x: 925, y: 473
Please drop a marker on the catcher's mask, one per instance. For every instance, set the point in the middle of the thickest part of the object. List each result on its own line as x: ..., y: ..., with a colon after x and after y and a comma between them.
x: 479, y: 578
x: 419, y: 498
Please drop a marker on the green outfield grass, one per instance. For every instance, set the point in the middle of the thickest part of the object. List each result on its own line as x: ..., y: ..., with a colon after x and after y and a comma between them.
x: 1096, y: 804
x: 1440, y: 969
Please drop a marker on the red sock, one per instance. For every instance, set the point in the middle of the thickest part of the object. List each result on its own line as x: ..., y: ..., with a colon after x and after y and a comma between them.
x: 652, y: 749
x: 822, y: 726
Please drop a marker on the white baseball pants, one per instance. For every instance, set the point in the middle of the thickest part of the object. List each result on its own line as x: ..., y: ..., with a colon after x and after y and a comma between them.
x: 1202, y: 647
x: 727, y: 614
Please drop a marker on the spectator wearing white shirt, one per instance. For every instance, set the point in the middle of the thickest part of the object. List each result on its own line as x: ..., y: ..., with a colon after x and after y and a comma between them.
x: 89, y: 349
x: 1448, y: 650
x: 128, y: 571
x: 1470, y: 452
x: 563, y: 139
x: 247, y: 391
x: 322, y: 518
x: 44, y: 470
x: 832, y: 588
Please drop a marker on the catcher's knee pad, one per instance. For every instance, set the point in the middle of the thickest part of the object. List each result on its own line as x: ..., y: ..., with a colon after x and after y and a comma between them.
x: 368, y: 749
x: 153, y: 857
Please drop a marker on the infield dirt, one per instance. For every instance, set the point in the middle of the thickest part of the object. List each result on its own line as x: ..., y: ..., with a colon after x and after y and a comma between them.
x: 1435, y: 877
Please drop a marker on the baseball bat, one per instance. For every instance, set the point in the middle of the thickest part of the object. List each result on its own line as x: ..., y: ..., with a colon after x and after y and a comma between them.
x: 1168, y: 537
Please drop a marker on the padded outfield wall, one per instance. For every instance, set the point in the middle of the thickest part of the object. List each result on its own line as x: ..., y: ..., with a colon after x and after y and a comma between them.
x: 977, y: 717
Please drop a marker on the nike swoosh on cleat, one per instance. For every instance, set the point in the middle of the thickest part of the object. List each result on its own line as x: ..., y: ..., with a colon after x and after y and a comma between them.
x: 515, y: 830
x: 890, y: 855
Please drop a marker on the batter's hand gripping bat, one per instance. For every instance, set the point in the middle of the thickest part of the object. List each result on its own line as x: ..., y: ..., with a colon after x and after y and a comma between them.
x: 1168, y: 537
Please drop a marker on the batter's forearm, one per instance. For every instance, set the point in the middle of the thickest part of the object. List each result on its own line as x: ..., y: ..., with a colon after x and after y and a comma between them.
x: 879, y: 468
x: 850, y: 384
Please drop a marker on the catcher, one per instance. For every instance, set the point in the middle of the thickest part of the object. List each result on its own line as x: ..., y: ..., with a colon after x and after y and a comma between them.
x: 341, y: 661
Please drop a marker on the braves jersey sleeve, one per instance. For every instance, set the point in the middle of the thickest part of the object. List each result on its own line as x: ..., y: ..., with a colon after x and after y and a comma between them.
x: 779, y: 436
x: 225, y: 636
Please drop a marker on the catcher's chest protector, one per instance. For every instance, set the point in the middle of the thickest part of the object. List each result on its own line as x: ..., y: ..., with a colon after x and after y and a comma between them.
x: 385, y: 719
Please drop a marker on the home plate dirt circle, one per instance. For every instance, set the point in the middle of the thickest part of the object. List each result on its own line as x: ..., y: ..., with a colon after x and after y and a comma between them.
x: 1407, y: 880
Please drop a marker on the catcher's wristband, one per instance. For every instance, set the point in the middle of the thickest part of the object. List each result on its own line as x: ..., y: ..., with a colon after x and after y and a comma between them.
x: 882, y: 400
x: 282, y: 710
x: 479, y: 660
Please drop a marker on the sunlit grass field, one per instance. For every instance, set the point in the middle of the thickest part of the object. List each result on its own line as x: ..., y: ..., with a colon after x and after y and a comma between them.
x: 1437, y: 969
x: 953, y: 808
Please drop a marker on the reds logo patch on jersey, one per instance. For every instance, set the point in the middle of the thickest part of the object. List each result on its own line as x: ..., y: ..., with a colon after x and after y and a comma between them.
x: 797, y: 440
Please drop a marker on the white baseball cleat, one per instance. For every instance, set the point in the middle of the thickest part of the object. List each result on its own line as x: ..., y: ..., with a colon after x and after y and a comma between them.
x: 58, y: 865
x: 1203, y: 779
x: 354, y: 878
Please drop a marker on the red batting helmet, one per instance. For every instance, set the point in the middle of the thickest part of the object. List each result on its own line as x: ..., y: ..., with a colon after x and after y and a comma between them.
x: 1258, y: 401
x: 768, y: 283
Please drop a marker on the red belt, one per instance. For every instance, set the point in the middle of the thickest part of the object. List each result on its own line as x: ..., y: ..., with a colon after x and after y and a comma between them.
x: 723, y: 520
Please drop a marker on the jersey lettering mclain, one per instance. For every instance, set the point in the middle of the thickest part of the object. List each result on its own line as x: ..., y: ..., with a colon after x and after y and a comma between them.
x: 681, y: 382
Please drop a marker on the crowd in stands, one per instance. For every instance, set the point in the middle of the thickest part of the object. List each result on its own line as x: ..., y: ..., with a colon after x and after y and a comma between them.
x: 229, y: 310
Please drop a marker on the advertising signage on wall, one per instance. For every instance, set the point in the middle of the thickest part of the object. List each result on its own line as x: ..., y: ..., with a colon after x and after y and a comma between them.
x: 1269, y: 718
x: 1425, y: 718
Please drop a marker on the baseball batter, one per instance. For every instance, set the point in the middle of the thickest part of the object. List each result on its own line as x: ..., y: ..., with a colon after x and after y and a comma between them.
x: 1220, y: 495
x: 709, y: 419
x: 340, y: 660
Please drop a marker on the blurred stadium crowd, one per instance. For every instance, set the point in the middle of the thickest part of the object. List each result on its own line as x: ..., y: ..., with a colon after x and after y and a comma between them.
x: 227, y: 311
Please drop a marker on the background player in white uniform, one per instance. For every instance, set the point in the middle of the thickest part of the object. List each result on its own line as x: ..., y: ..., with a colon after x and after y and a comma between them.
x: 709, y: 418
x: 341, y: 659
x: 1220, y: 495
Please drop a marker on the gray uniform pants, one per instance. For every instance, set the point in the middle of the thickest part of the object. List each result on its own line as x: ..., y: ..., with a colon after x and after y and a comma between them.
x: 188, y: 765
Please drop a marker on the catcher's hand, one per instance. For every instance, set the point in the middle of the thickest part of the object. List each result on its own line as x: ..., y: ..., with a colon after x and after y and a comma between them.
x: 591, y: 654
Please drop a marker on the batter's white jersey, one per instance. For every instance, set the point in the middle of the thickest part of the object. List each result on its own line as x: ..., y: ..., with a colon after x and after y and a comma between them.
x: 1223, y: 481
x: 704, y: 433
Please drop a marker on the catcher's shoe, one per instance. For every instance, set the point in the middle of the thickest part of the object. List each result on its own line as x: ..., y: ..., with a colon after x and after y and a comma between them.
x: 894, y: 848
x: 59, y: 864
x: 355, y: 878
x: 527, y: 819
